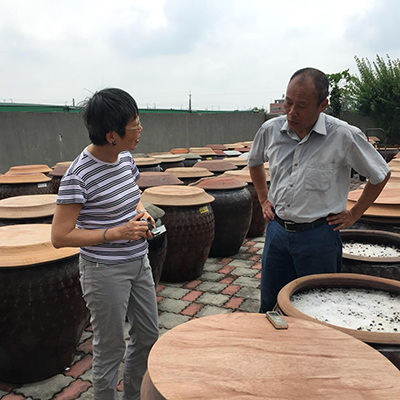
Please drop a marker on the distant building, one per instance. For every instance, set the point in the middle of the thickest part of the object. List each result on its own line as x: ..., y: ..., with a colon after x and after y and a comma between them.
x: 277, y: 107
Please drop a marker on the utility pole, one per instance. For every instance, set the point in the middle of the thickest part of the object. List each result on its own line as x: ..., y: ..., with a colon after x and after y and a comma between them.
x: 190, y: 102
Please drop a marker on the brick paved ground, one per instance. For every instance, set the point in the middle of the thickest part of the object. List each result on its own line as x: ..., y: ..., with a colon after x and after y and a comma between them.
x: 227, y: 285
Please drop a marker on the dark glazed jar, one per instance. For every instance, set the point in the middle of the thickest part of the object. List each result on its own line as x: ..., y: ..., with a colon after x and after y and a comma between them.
x: 383, y: 267
x: 190, y: 224
x: 169, y: 161
x: 42, y: 312
x: 56, y: 176
x: 12, y: 185
x: 147, y: 164
x: 232, y: 211
x: 258, y: 222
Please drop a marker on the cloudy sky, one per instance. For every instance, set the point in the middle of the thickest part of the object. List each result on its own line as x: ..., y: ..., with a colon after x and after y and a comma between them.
x: 229, y: 54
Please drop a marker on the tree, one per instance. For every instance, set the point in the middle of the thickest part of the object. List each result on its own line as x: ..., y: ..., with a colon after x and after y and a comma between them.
x: 339, y: 95
x: 376, y: 93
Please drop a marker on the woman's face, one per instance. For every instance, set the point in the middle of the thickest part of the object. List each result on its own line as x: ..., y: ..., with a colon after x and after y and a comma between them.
x: 132, y: 134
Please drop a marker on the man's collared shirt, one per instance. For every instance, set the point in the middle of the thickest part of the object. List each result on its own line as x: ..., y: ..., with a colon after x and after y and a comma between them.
x: 310, y: 178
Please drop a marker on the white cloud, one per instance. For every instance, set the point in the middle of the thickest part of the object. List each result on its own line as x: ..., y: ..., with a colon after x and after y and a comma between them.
x: 228, y: 53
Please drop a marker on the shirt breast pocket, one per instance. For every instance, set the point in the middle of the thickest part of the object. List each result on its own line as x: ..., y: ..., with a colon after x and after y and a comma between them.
x: 318, y: 178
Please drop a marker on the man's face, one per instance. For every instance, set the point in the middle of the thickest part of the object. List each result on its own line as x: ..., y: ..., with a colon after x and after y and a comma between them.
x: 301, y: 105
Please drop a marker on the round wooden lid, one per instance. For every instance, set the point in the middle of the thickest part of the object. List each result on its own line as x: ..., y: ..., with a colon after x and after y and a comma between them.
x: 379, y: 210
x: 16, y: 178
x: 217, y: 146
x: 31, y: 168
x: 220, y: 183
x: 160, y: 153
x: 62, y: 164
x: 203, y: 151
x: 216, y: 165
x: 59, y: 170
x: 150, y: 179
x: 176, y: 196
x: 179, y: 150
x: 168, y: 157
x: 242, y: 356
x: 30, y: 206
x: 140, y: 161
x: 244, y: 175
x: 190, y: 172
x: 387, y: 196
x: 239, y: 161
x: 29, y: 244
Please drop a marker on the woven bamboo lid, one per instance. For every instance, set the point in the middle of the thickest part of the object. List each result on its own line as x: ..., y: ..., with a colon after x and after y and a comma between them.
x: 190, y: 172
x: 140, y: 161
x: 31, y: 168
x: 30, y: 206
x: 176, y: 196
x: 150, y: 179
x: 220, y: 183
x: 29, y: 244
x: 216, y: 165
x: 16, y: 178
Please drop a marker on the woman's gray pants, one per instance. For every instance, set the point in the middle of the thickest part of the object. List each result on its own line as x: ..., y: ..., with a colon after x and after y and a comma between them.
x: 113, y: 292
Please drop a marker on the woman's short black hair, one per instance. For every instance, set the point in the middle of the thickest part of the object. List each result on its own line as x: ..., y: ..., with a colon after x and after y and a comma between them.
x: 108, y: 110
x: 320, y: 80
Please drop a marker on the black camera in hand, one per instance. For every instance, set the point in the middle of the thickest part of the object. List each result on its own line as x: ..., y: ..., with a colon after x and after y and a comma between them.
x: 154, y: 231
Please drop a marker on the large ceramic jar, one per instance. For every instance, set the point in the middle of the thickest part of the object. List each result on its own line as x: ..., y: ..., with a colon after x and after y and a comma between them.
x: 218, y: 167
x: 190, y: 174
x: 232, y: 211
x: 361, y: 254
x: 189, y: 220
x: 258, y: 222
x: 29, y: 209
x: 42, y: 312
x: 23, y: 184
x: 146, y: 164
x: 56, y: 175
x: 190, y: 159
x: 169, y: 160
x: 386, y: 341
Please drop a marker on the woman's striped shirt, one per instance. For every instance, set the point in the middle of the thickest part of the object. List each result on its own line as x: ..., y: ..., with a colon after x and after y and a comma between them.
x: 109, y: 196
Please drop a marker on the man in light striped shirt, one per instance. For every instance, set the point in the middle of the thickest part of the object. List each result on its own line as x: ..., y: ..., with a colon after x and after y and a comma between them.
x: 99, y: 210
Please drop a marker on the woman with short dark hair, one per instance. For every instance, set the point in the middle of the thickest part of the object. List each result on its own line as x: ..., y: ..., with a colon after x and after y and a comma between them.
x: 99, y: 210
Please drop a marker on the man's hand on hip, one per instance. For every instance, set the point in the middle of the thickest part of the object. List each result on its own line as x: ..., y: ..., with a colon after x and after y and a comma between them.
x: 268, y: 211
x: 343, y: 220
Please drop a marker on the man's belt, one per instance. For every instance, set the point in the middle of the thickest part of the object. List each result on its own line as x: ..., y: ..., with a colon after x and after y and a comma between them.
x: 300, y: 227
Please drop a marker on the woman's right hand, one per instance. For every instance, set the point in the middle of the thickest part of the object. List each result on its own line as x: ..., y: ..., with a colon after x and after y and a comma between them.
x: 134, y: 229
